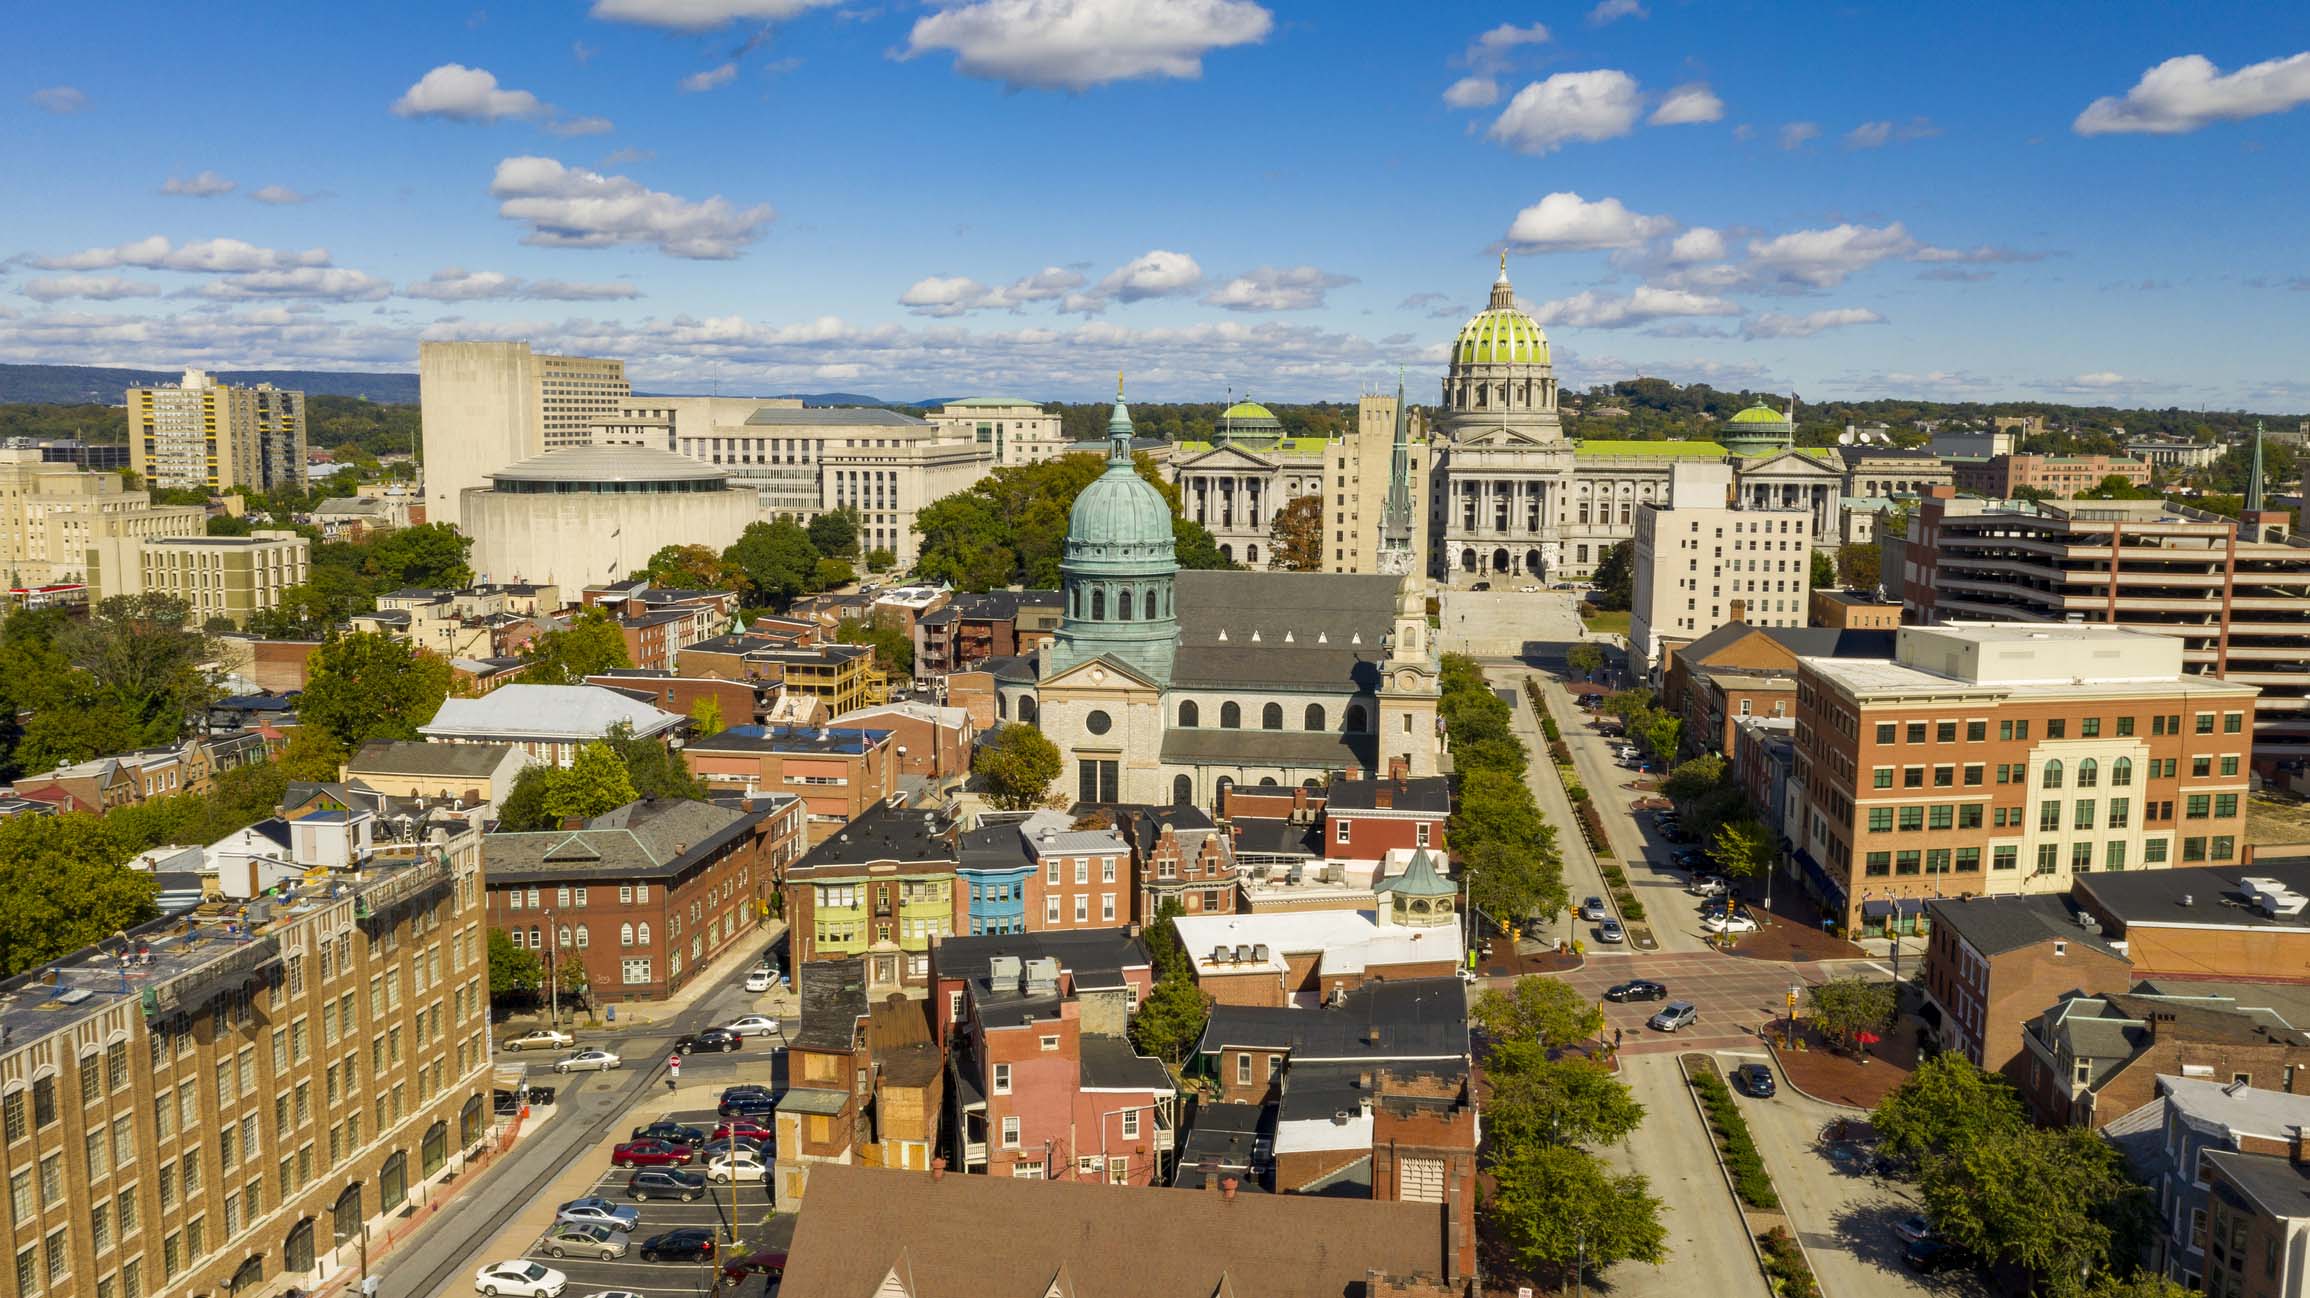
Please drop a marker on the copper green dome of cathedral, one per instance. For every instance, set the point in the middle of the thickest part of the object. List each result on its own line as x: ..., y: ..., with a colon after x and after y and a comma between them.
x: 1116, y: 578
x: 1120, y: 517
x: 1501, y: 333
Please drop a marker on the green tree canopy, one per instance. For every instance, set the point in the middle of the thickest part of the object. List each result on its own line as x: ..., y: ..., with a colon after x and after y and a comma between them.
x: 139, y: 651
x: 364, y: 686
x: 1538, y: 1008
x: 1948, y: 1104
x: 691, y: 567
x: 835, y: 533
x: 778, y: 559
x: 1824, y: 571
x: 596, y: 781
x: 63, y: 886
x: 513, y: 971
x: 1568, y: 1101
x: 1016, y: 766
x: 1584, y: 658
x: 592, y: 643
x: 893, y: 648
x: 1615, y: 576
x: 1556, y: 1207
x: 1170, y: 1020
x: 1857, y: 565
x: 429, y: 555
x: 1010, y: 527
x: 1741, y: 848
x: 2055, y: 1202
x: 1844, y: 1008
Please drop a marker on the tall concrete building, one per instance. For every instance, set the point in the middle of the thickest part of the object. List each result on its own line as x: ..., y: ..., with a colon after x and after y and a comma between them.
x: 52, y: 515
x: 1700, y: 562
x: 1014, y: 431
x: 1375, y: 479
x: 2236, y: 594
x: 486, y: 405
x: 204, y: 435
x: 228, y: 577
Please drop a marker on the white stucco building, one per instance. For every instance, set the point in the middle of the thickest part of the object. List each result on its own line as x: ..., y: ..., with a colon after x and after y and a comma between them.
x: 578, y: 517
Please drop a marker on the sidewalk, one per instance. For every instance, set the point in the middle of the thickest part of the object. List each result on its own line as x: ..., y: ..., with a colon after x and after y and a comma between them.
x: 1581, y: 877
x: 619, y: 1017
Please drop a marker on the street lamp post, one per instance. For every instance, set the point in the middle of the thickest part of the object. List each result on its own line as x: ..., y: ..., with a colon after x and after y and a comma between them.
x: 552, y: 973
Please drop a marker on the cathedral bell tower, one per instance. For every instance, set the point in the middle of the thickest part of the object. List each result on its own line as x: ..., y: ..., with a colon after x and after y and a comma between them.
x: 1411, y: 685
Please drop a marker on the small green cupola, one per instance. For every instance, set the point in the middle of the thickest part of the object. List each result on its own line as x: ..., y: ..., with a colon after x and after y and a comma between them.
x: 1420, y: 896
x: 1760, y: 430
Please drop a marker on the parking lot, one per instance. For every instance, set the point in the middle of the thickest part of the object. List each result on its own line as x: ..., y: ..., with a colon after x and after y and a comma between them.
x: 742, y: 1210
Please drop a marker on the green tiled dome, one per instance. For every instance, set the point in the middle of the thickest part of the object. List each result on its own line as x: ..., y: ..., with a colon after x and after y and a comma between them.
x: 1249, y: 410
x: 1760, y: 413
x: 1501, y: 336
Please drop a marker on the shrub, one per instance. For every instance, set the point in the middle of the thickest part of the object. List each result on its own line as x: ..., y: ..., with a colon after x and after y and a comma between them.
x: 1631, y: 909
x: 1751, y: 1181
x: 1576, y: 793
x: 1786, y: 1262
x: 1548, y: 727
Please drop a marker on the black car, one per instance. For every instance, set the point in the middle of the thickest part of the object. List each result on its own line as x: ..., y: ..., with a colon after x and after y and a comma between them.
x: 689, y: 1244
x: 1755, y: 1079
x: 674, y: 1133
x: 665, y: 1183
x: 714, y: 1039
x: 1636, y: 989
x: 747, y: 1104
x: 1928, y: 1256
x: 1689, y: 858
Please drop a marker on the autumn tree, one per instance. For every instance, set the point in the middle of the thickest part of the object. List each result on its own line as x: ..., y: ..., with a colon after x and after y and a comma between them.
x: 1857, y: 566
x: 1016, y: 766
x: 1295, y: 536
x: 691, y: 567
x: 592, y: 643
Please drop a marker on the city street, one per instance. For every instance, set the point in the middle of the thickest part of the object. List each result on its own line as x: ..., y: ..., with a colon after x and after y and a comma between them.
x: 1734, y: 996
x: 1708, y: 1249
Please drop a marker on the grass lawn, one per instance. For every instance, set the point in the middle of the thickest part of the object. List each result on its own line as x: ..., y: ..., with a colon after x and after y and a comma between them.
x: 2270, y: 821
x: 1597, y: 620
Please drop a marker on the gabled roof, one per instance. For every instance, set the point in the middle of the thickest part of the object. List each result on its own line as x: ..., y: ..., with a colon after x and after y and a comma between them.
x: 446, y: 761
x: 654, y: 838
x: 559, y: 711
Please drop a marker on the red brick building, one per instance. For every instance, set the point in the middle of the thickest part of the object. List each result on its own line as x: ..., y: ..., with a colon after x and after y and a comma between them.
x: 931, y: 743
x: 1180, y: 854
x: 647, y: 895
x: 1364, y: 820
x: 2089, y: 1060
x: 2062, y: 476
x: 737, y: 703
x: 1082, y: 878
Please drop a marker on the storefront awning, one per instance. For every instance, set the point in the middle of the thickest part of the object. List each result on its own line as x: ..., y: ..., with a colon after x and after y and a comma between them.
x: 1876, y: 909
x: 1912, y: 905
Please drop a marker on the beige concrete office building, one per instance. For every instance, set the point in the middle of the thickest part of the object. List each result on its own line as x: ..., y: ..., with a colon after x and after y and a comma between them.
x: 52, y: 514
x: 1013, y: 430
x: 203, y: 434
x: 229, y: 577
x: 487, y: 405
x: 1357, y: 474
x: 1700, y: 564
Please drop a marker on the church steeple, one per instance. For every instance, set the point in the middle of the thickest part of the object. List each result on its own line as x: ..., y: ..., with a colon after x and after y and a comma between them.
x: 2254, y: 474
x: 1396, y: 516
x: 1119, y: 427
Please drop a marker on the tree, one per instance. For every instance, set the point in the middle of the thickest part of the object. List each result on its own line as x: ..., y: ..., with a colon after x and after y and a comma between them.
x: 1824, y: 571
x: 831, y: 573
x: 592, y: 643
x: 2055, y: 1202
x: 572, y: 984
x: 690, y: 567
x: 1696, y: 778
x: 2141, y: 1284
x: 1943, y: 1108
x: 1844, y: 1008
x: 429, y: 555
x: 835, y: 532
x: 706, y: 715
x: 523, y: 809
x: 1615, y: 577
x: 1295, y: 536
x: 62, y: 887
x: 139, y: 650
x: 1010, y: 527
x: 1016, y: 766
x: 1741, y: 848
x: 656, y: 770
x: 1570, y: 1101
x: 1857, y: 566
x: 893, y: 648
x: 328, y: 595
x: 777, y: 558
x: 1510, y: 883
x: 2117, y: 486
x: 1539, y: 1008
x: 596, y: 781
x: 1196, y: 548
x: 364, y: 686
x: 1557, y: 1208
x: 880, y: 559
x: 1170, y: 1020
x: 1584, y: 659
x: 513, y: 971
x: 227, y: 525
x: 1659, y: 734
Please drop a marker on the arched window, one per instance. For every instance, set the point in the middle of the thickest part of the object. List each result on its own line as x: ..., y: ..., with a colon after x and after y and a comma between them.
x: 1029, y: 710
x: 1098, y: 603
x: 2053, y: 774
x: 1182, y: 790
x: 2088, y: 774
x: 584, y: 939
x: 1251, y: 556
x: 1354, y: 722
x: 469, y: 1121
x: 2121, y: 773
x: 297, y: 1250
x: 393, y: 1181
x: 1226, y: 782
x: 1314, y: 717
x: 625, y: 935
x: 433, y: 1151
x: 250, y: 1275
x: 563, y: 936
x: 1267, y: 782
x: 1271, y: 717
x: 1123, y: 605
x: 1190, y: 716
x: 642, y: 935
x: 1230, y: 716
x: 1002, y: 706
x: 1075, y: 602
x: 345, y: 1215
x: 1149, y: 604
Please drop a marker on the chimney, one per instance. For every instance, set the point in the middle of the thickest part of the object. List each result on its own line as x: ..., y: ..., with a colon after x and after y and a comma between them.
x: 1399, y: 768
x: 1299, y: 798
x: 1384, y: 797
x: 1227, y: 1189
x: 938, y: 1169
x: 2297, y: 1146
x: 1372, y: 1035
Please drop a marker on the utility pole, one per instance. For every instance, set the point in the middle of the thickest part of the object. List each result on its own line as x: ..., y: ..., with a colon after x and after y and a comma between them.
x: 552, y: 974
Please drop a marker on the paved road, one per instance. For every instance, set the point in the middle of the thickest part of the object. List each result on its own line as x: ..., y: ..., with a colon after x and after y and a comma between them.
x: 1734, y: 996
x: 1708, y: 1249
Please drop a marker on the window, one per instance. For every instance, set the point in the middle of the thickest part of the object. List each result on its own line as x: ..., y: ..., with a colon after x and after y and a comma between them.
x: 2121, y: 772
x: 1976, y: 731
x: 2088, y: 774
x: 1968, y: 860
x: 2201, y: 767
x: 1880, y: 863
x: 1973, y: 776
x: 1940, y: 816
x: 2081, y: 856
x: 2223, y: 847
x: 2057, y: 728
x: 1945, y: 732
x: 2233, y: 722
x: 1916, y: 732
x: 2198, y: 806
x: 1002, y: 1079
x: 2119, y: 810
x: 2225, y: 805
x: 1912, y: 819
x: 1130, y: 1124
x: 634, y: 971
x: 2084, y: 817
x: 1230, y: 716
x: 2089, y: 728
x: 1190, y: 716
x: 1912, y: 777
x: 1271, y: 717
x: 2114, y: 856
x: 1905, y: 862
x: 1243, y: 1069
x: 2205, y: 723
x: 1011, y: 1137
x: 1944, y: 777
x: 2051, y: 779
x: 1882, y: 777
x: 2230, y: 764
x: 2003, y: 858
x: 2048, y: 857
x: 1880, y: 820
x: 2049, y: 817
x: 1969, y: 816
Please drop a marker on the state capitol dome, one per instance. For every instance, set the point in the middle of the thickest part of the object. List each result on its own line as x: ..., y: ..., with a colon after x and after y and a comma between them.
x: 1499, y: 375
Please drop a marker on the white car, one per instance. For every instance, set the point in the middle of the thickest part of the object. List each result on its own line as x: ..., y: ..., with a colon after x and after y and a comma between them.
x: 740, y: 1165
x: 1729, y: 924
x: 753, y: 1025
x: 1706, y: 885
x: 760, y: 981
x: 588, y: 1061
x: 541, y: 1039
x: 520, y: 1278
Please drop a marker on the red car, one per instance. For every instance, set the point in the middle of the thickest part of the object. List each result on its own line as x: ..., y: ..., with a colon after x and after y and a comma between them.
x: 772, y: 1264
x: 651, y: 1153
x: 744, y: 1130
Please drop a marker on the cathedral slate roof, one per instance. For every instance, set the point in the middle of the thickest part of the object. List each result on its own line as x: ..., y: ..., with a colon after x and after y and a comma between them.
x: 1298, y: 631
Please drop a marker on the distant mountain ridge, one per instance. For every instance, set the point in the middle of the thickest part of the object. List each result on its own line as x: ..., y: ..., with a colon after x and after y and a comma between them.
x: 77, y: 384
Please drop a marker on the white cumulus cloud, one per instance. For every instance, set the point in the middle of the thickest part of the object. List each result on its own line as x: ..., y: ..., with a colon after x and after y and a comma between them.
x: 1697, y: 244
x: 281, y: 195
x: 320, y: 283
x: 1492, y: 50
x: 207, y: 256
x: 1156, y: 273
x: 2188, y: 92
x: 1795, y: 134
x: 1824, y: 258
x: 1688, y: 105
x: 1269, y: 288
x: 203, y: 184
x: 701, y: 15
x: 1544, y: 115
x: 570, y: 207
x: 1773, y: 325
x: 1472, y: 92
x: 1564, y: 221
x: 1593, y: 310
x: 1078, y: 44
x: 456, y: 284
x: 95, y: 288
x: 1615, y: 10
x: 464, y: 94
x: 711, y: 78
x: 953, y: 295
x: 2101, y: 379
x: 1869, y: 135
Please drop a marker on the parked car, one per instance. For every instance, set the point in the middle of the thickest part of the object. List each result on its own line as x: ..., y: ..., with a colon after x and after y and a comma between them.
x: 1610, y: 931
x: 584, y: 1239
x: 761, y: 980
x: 1707, y: 885
x: 593, y: 1210
x: 1688, y: 858
x: 1481, y: 585
x: 744, y: 1130
x: 714, y: 1149
x: 1928, y: 1256
x: 1734, y: 923
x: 1756, y: 1080
x: 747, y: 1104
x: 717, y: 1040
x: 1636, y: 989
x: 665, y: 1183
x: 752, y: 1025
x: 588, y: 1061
x: 1674, y: 833
x: 1664, y: 816
x: 1593, y: 909
x: 1674, y: 1015
x: 520, y: 1278
x: 770, y: 1262
x: 651, y: 1153
x: 677, y: 1133
x: 737, y: 1165
x: 541, y: 1039
x: 1913, y: 1228
x: 688, y: 1244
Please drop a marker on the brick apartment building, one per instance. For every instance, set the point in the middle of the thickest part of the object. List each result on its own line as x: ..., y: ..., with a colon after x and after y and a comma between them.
x: 883, y: 887
x: 280, y: 1080
x: 1079, y: 878
x: 2261, y: 1205
x: 932, y: 743
x: 866, y: 1083
x: 648, y: 895
x: 1739, y: 670
x: 971, y: 628
x: 1179, y: 854
x: 2089, y: 1060
x: 839, y: 773
x: 736, y: 703
x: 2230, y: 591
x: 1991, y: 759
x: 1854, y: 610
x: 2004, y: 477
x: 1364, y: 820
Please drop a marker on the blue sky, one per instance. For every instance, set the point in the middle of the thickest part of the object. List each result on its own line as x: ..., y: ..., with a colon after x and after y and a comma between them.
x: 2100, y: 203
